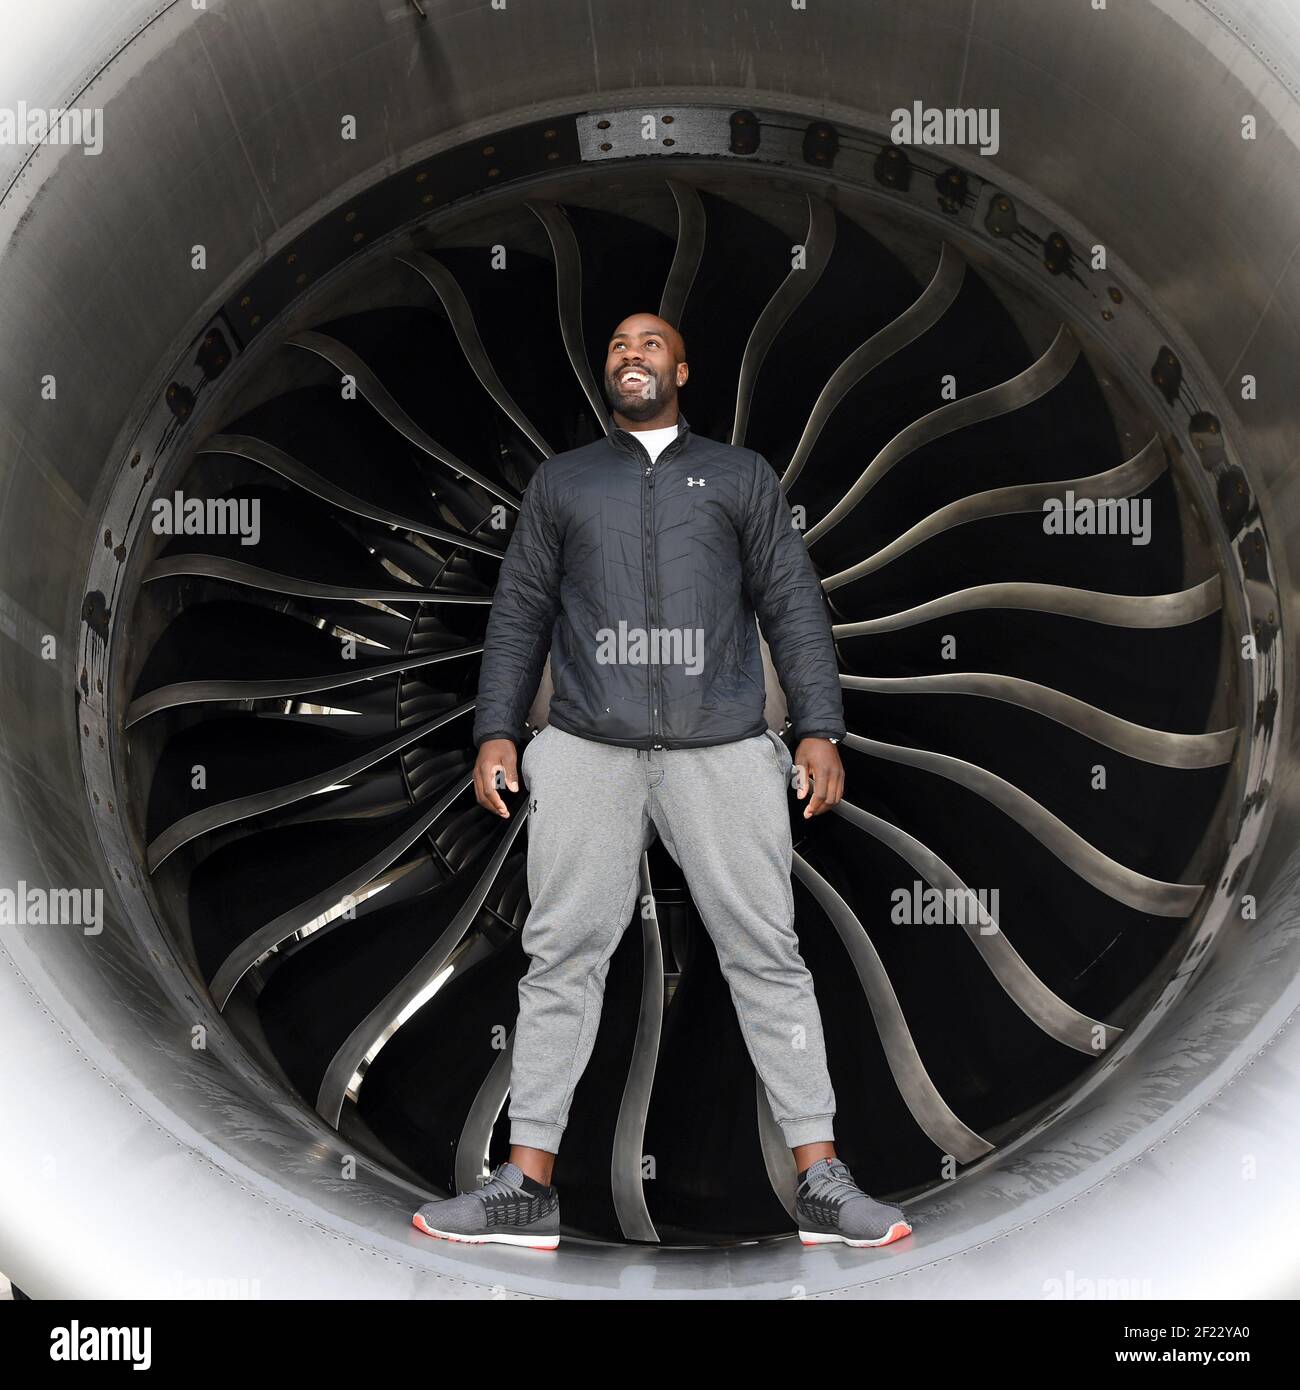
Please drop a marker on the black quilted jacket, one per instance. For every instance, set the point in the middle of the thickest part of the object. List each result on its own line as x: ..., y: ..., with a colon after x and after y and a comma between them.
x: 643, y: 581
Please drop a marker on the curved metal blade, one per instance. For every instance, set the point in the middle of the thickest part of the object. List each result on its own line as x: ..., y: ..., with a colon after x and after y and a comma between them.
x: 256, y: 945
x: 692, y: 230
x: 471, y: 1163
x: 448, y: 290
x: 626, y: 1181
x: 568, y: 295
x: 778, y: 1160
x: 1037, y: 380
x: 921, y: 1096
x: 278, y: 461
x: 1047, y: 1010
x: 200, y: 692
x: 241, y: 808
x: 1126, y: 479
x: 348, y: 363
x: 1104, y: 873
x: 1115, y: 610
x: 375, y: 1029
x: 257, y: 577
x: 793, y: 290
x: 930, y: 307
x: 1136, y: 740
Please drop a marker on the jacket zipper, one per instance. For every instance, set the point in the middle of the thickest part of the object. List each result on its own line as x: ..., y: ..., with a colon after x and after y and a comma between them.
x: 656, y: 728
x: 648, y: 579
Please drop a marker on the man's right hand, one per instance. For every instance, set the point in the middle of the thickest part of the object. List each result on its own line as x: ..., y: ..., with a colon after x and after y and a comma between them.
x: 495, y: 755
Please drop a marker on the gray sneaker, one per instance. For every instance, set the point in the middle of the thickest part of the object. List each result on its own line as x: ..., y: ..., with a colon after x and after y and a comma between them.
x: 830, y: 1206
x: 501, y: 1212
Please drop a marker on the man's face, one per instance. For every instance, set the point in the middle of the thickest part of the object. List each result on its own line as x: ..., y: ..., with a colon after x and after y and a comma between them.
x: 641, y: 368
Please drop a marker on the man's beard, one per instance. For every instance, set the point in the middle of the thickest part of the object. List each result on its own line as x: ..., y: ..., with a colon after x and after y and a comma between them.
x: 641, y: 404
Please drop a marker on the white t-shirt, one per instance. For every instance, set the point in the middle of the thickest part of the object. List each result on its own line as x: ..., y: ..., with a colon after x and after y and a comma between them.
x: 656, y: 441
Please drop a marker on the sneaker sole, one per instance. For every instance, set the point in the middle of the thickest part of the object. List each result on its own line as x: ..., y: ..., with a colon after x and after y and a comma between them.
x: 896, y: 1232
x: 522, y: 1242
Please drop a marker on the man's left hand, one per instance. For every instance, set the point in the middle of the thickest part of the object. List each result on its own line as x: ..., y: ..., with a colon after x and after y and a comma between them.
x: 818, y: 760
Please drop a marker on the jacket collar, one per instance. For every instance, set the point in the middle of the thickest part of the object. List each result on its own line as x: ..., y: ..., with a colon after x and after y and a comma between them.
x: 626, y: 439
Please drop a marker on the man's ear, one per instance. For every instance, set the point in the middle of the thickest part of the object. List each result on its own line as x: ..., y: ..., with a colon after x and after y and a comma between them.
x: 683, y: 371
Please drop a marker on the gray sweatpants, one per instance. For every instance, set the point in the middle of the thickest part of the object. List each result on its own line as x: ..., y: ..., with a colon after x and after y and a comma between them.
x: 723, y: 814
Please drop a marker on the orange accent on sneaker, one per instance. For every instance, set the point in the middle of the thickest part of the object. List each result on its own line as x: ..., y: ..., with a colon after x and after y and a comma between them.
x: 419, y: 1223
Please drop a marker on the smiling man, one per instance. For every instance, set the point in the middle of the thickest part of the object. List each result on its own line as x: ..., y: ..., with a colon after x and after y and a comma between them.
x: 677, y: 544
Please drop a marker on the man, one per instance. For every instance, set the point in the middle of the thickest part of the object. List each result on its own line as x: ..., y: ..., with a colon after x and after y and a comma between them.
x: 641, y: 561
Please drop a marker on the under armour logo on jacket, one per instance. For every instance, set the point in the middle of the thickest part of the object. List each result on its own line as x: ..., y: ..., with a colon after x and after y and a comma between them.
x: 694, y: 482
